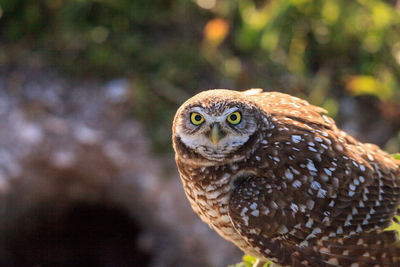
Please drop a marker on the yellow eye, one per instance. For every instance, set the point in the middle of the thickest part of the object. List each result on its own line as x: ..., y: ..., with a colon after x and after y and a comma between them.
x: 234, y: 118
x: 196, y: 118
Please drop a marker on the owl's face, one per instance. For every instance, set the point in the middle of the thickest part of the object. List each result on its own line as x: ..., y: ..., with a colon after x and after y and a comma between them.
x: 216, y: 126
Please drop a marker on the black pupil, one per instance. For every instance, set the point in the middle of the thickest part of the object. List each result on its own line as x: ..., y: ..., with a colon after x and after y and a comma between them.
x: 197, y: 118
x: 233, y: 117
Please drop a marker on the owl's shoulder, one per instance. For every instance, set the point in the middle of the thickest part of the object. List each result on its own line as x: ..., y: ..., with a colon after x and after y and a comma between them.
x: 281, y: 103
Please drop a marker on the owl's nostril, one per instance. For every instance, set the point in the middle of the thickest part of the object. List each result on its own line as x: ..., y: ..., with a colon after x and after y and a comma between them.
x: 213, y: 125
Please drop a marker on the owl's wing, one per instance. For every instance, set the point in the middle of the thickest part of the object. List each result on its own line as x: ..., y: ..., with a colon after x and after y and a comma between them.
x: 293, y: 228
x: 316, y: 186
x: 317, y: 191
x: 323, y: 181
x: 307, y: 200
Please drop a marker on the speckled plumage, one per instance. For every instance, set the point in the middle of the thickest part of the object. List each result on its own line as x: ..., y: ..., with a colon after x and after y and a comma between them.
x: 291, y: 187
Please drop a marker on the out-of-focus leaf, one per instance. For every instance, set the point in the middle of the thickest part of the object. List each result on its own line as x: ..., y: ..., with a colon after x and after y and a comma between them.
x: 269, y: 40
x: 330, y: 11
x: 248, y: 261
x: 365, y: 84
x: 394, y: 226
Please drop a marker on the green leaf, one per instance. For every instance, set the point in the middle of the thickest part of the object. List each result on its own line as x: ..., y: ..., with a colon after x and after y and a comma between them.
x: 248, y: 261
x: 396, y: 156
x: 395, y: 226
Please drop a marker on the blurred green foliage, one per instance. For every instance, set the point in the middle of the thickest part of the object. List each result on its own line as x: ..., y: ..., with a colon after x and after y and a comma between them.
x: 248, y: 261
x: 327, y: 45
x: 171, y: 49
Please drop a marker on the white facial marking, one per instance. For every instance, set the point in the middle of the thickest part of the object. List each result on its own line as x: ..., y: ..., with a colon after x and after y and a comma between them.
x: 197, y: 137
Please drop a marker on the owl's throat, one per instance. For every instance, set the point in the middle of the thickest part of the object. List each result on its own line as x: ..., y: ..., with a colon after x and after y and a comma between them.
x: 223, y: 154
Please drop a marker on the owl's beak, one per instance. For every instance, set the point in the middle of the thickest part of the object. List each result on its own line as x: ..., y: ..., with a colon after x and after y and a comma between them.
x: 215, y: 134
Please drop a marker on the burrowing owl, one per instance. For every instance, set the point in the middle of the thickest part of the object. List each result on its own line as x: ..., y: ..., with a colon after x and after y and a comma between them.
x: 275, y: 176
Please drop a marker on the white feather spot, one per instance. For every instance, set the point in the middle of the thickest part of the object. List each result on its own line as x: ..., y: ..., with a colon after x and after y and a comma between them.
x: 339, y: 230
x: 328, y: 172
x: 288, y: 175
x: 312, y: 149
x: 311, y: 166
x: 283, y: 230
x: 309, y: 223
x: 318, y: 139
x: 321, y: 193
x: 266, y: 211
x: 316, y: 231
x: 255, y: 213
x: 296, y: 138
x: 315, y: 185
x: 296, y: 184
x: 354, y: 211
x: 310, y: 204
x: 304, y: 243
x: 294, y: 207
x: 213, y: 195
x: 225, y: 218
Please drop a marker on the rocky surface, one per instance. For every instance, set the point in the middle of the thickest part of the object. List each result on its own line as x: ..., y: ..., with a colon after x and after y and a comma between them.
x: 78, y: 185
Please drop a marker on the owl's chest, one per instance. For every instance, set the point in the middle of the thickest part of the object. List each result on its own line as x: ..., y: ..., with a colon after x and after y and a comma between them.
x: 208, y: 192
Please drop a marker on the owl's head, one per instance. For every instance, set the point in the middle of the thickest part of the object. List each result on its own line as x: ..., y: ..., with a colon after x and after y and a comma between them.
x: 215, y: 125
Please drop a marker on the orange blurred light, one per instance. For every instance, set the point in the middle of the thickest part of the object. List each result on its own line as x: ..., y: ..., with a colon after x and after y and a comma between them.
x: 216, y: 31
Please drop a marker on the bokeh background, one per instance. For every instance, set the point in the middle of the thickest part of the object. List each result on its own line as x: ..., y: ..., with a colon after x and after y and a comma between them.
x: 88, y: 90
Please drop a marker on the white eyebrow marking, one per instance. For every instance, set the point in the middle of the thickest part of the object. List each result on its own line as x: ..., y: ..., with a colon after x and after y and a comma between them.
x: 229, y: 111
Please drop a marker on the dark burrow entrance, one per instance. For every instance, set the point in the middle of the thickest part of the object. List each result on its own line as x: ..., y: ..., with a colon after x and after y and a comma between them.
x: 80, y: 235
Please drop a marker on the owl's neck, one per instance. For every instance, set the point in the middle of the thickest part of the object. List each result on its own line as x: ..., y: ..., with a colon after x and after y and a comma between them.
x: 192, y: 158
x: 195, y: 159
